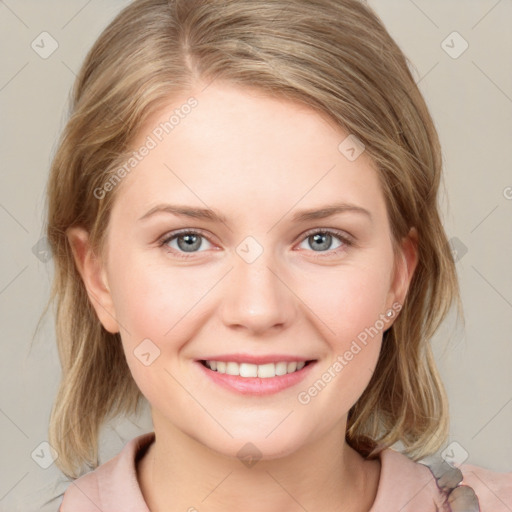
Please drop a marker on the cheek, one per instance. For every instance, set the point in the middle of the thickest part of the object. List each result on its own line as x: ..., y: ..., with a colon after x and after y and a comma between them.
x: 350, y: 308
x: 349, y: 300
x: 156, y: 311
x: 150, y: 299
x: 158, y: 303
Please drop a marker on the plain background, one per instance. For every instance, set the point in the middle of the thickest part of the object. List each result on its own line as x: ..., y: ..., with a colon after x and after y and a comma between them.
x: 470, y: 98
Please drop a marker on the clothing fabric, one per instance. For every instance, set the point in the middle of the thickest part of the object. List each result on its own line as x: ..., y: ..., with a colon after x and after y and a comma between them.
x: 404, y: 485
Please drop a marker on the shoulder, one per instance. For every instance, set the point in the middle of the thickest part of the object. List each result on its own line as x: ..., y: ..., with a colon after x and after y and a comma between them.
x: 407, y: 486
x: 493, y: 489
x: 112, y: 485
x: 410, y: 486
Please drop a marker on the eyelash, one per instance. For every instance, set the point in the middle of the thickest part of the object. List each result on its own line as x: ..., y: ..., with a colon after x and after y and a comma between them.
x: 345, y: 239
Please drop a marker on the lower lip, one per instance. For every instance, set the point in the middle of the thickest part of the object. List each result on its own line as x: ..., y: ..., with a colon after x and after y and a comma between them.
x: 257, y: 385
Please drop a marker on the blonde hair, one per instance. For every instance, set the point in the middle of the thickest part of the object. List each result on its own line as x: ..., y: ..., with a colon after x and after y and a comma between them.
x: 332, y: 55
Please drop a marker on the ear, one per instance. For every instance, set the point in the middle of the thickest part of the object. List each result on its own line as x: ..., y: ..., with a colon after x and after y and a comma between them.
x: 93, y: 275
x: 404, y: 268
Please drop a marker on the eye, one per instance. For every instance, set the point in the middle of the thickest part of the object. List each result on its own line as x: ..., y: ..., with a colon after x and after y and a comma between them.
x: 321, y: 241
x: 188, y: 241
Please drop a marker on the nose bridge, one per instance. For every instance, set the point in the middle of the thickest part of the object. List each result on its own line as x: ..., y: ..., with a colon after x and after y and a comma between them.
x: 256, y: 297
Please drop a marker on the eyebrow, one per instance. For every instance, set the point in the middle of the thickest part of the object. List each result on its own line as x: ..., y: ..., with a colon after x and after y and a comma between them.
x: 213, y: 216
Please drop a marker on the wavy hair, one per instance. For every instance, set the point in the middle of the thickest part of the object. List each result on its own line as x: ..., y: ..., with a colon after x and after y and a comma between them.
x: 333, y: 55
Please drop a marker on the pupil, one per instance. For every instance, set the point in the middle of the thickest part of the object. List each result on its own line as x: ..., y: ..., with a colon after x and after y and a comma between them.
x: 319, y: 237
x: 191, y: 242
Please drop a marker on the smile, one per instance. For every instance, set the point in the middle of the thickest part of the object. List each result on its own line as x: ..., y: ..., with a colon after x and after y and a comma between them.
x: 263, y: 371
x: 255, y: 379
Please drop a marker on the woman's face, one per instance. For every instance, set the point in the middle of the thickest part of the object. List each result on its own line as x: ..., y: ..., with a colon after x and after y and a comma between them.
x: 266, y: 281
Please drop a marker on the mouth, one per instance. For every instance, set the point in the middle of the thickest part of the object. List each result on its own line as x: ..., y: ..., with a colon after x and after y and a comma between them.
x: 249, y: 370
x: 255, y: 379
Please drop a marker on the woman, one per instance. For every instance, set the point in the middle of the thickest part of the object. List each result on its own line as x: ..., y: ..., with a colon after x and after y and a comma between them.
x: 243, y: 216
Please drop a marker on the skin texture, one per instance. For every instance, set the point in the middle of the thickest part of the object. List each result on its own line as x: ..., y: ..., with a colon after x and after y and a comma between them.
x: 257, y: 160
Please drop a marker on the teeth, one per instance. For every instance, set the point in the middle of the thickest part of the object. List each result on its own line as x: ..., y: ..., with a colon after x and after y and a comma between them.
x: 281, y: 368
x: 263, y: 371
x: 247, y: 370
x: 266, y: 371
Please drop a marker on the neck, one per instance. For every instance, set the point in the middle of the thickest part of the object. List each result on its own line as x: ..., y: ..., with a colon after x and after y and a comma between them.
x: 179, y: 473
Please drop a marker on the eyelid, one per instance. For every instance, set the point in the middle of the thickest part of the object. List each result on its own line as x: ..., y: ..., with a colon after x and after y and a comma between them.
x: 340, y: 233
x: 171, y: 235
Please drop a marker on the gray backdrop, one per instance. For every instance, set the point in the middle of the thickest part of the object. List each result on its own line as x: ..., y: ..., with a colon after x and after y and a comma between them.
x: 461, y: 51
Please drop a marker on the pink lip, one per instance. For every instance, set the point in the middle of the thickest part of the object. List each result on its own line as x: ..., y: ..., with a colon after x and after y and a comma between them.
x: 256, y: 385
x: 254, y: 359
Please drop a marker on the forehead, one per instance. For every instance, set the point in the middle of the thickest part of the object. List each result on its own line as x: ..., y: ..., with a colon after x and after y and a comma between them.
x: 241, y: 152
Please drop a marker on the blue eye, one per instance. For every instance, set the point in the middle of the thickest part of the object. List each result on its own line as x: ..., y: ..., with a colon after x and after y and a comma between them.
x: 322, y: 239
x: 190, y: 240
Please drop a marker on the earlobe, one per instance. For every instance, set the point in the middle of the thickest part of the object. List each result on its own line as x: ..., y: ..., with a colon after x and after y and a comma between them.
x: 93, y: 276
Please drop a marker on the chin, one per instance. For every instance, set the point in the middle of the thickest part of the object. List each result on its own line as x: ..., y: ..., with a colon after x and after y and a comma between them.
x: 253, y: 445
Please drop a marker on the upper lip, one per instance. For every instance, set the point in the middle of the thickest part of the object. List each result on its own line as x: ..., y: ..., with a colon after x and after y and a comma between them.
x: 256, y: 359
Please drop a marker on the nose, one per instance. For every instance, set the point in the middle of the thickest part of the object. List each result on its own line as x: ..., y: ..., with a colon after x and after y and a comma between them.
x: 256, y: 297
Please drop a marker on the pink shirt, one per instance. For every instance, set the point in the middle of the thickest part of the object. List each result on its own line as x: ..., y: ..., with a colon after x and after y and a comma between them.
x: 404, y: 485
